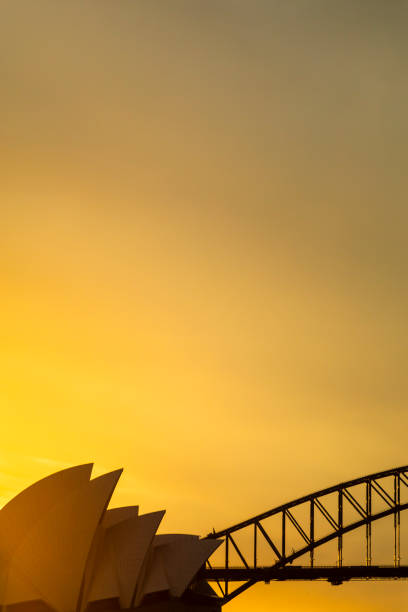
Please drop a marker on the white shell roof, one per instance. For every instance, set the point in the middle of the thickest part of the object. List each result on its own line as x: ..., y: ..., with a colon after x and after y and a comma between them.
x: 21, y: 513
x: 131, y: 540
x: 60, y: 544
x: 182, y: 557
x: 54, y: 553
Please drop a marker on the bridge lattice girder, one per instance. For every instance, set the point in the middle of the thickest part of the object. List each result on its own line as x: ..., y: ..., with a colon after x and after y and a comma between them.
x: 375, y: 485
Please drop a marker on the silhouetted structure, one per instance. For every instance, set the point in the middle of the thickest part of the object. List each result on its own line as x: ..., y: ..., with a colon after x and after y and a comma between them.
x: 360, y: 495
x: 63, y: 550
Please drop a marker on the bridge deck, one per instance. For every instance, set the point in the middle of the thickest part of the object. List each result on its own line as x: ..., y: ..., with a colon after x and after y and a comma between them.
x: 335, y: 575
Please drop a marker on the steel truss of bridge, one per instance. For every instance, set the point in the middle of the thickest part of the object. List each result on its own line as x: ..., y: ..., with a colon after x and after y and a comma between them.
x: 362, y: 495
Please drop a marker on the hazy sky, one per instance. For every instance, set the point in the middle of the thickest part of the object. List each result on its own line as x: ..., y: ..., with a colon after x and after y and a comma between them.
x: 203, y: 254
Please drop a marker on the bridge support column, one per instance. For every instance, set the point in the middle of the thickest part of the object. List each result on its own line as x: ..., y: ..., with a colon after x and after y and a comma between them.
x: 397, y: 522
x: 311, y: 534
x: 340, y: 524
x: 368, y: 526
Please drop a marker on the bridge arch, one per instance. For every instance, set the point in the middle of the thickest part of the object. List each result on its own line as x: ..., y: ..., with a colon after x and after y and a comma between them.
x: 385, y: 486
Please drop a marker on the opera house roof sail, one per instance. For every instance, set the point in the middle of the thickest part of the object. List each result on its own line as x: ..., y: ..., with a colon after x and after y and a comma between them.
x: 63, y: 550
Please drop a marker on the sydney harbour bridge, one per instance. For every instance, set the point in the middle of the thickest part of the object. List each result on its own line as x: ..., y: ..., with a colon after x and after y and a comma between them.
x: 313, y: 522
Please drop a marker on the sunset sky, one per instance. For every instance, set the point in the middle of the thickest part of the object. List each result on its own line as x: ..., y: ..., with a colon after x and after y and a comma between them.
x: 204, y: 256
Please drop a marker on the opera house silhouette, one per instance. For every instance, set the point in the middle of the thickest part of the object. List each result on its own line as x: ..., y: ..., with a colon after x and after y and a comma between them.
x: 63, y: 550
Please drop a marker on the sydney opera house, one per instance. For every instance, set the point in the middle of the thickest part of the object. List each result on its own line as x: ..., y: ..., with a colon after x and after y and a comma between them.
x: 63, y: 550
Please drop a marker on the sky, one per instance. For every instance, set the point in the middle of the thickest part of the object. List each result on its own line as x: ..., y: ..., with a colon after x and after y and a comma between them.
x: 203, y: 262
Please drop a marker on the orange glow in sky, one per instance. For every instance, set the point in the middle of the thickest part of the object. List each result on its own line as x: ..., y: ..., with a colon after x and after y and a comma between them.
x: 203, y: 255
